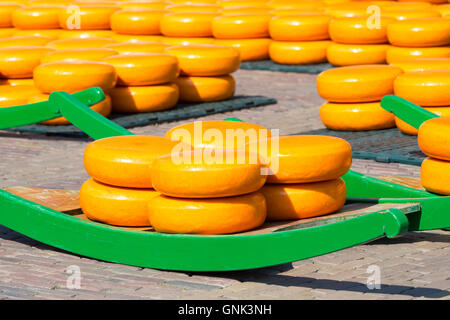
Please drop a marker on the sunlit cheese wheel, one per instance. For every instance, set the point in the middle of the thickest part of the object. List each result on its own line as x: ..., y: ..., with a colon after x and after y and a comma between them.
x: 300, y: 52
x: 17, y: 82
x: 68, y: 34
x: 422, y: 64
x: 47, y: 2
x: 434, y: 138
x: 405, y: 14
x: 136, y: 38
x: 76, y: 43
x: 307, y: 27
x: 38, y: 17
x: 138, y: 47
x: 142, y: 69
x: 206, y: 59
x: 434, y: 175
x: 295, y: 4
x: 245, y: 10
x: 359, y: 30
x: 443, y: 9
x: 187, y: 41
x: 53, y: 33
x: 348, y: 9
x: 249, y: 49
x: 214, y: 133
x: 19, y: 62
x: 357, y: 83
x: 187, y: 24
x: 124, y: 207
x: 207, y: 216
x: 144, y: 4
x: 304, y: 200
x: 340, y: 54
x: 303, y: 158
x: 410, y: 130
x: 89, y: 54
x: 73, y: 76
x: 7, y: 32
x: 6, y: 11
x: 290, y: 12
x: 423, y: 32
x: 396, y: 54
x: 193, y: 7
x: 137, y: 21
x: 87, y: 17
x: 241, y: 26
x: 429, y: 88
x: 206, y: 89
x: 24, y: 41
x: 144, y: 98
x: 411, y: 5
x: 355, y: 116
x: 16, y: 95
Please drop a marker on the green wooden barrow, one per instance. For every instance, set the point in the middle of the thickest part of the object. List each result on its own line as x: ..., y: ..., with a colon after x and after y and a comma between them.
x: 375, y: 209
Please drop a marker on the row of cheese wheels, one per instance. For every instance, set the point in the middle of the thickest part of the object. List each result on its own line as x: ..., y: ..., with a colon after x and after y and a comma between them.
x: 190, y: 181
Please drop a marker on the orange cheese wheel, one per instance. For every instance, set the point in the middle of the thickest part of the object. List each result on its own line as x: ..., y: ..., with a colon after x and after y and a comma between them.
x: 234, y: 3
x: 422, y: 64
x: 434, y: 175
x: 187, y: 41
x: 141, y: 69
x: 73, y: 76
x: 88, y: 54
x: 207, y: 216
x: 358, y: 30
x: 137, y: 21
x: 288, y: 4
x: 303, y: 200
x: 347, y: 9
x: 136, y: 38
x: 306, y: 27
x: 355, y: 116
x: 421, y: 32
x: 410, y: 130
x: 19, y: 62
x: 52, y: 33
x: 144, y: 4
x: 7, y: 32
x: 124, y: 207
x: 396, y: 54
x: 68, y: 34
x: 16, y: 95
x: 340, y: 54
x: 241, y: 26
x: 138, y: 47
x: 187, y: 24
x: 6, y: 11
x: 144, y: 98
x: 193, y: 7
x: 433, y: 138
x: 404, y: 14
x: 206, y: 59
x: 429, y: 88
x: 304, y: 158
x: 77, y: 43
x: 206, y: 89
x: 87, y: 17
x: 17, y: 82
x: 47, y: 2
x: 290, y: 12
x: 38, y: 17
x: 411, y: 5
x: 125, y: 161
x: 301, y: 52
x: 24, y: 41
x: 249, y: 49
x: 245, y: 10
x: 443, y: 9
x: 357, y: 83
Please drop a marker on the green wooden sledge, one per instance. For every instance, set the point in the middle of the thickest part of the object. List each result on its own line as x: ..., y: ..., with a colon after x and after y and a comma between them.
x: 375, y: 209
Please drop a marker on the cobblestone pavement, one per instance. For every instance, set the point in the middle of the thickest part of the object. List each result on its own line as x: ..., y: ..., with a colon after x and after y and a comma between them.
x: 414, y: 266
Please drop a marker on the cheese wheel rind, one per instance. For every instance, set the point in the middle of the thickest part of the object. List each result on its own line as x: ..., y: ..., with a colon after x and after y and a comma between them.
x: 19, y: 62
x: 359, y: 30
x: 88, y: 54
x: 140, y: 22
x: 249, y: 49
x: 422, y: 64
x: 299, y: 28
x: 434, y: 138
x: 241, y: 26
x: 356, y: 54
x: 187, y: 24
x: 434, y: 175
x: 410, y: 130
x: 395, y: 54
x: 299, y: 52
x: 206, y: 89
x: 424, y: 32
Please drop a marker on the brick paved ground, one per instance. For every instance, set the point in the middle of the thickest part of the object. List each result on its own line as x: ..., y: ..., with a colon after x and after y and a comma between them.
x: 414, y: 266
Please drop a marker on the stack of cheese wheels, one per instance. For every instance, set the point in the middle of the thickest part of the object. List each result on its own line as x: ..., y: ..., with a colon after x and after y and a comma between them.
x: 38, y: 20
x: 205, y: 71
x: 427, y: 88
x: 354, y: 94
x: 121, y: 178
x: 304, y: 175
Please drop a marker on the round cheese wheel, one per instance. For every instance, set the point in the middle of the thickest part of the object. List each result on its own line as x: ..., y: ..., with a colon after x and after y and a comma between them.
x: 47, y: 2
x: 234, y: 3
x: 193, y: 7
x: 421, y: 32
x: 73, y: 76
x: 138, y: 47
x: 355, y: 116
x: 37, y: 17
x: 410, y: 130
x: 358, y: 30
x: 433, y: 138
x: 24, y: 41
x: 16, y: 95
x: 141, y: 69
x: 7, y: 32
x: 348, y: 9
x: 434, y: 175
x: 88, y: 54
x: 241, y: 26
x: 249, y: 49
x: 70, y: 34
x: 411, y: 5
x: 443, y: 9
x: 19, y: 62
x: 126, y: 161
x: 137, y: 21
x: 396, y: 54
x: 136, y: 38
x: 124, y: 207
x: 304, y: 200
x: 187, y: 24
x: 304, y: 158
x: 422, y: 64
x: 6, y: 11
x: 404, y: 14
x: 186, y: 41
x: 206, y: 89
x: 301, y: 52
x: 219, y: 134
x: 293, y: 12
x: 357, y: 83
x: 87, y: 17
x: 52, y: 33
x: 302, y: 27
x: 144, y: 4
x: 17, y: 82
x: 288, y: 4
x: 429, y: 88
x: 77, y: 43
x: 144, y: 98
x: 356, y: 54
x: 245, y: 10
x: 206, y: 59
x: 207, y: 216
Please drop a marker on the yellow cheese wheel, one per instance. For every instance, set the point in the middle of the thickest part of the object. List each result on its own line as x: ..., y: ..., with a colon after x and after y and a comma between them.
x: 277, y: 4
x: 68, y: 34
x: 137, y: 21
x: 17, y: 82
x: 290, y: 12
x: 144, y: 98
x: 7, y: 32
x: 76, y: 43
x: 16, y: 95
x: 90, y: 17
x: 24, y: 41
x: 249, y: 49
x: 206, y: 89
x: 421, y: 32
x: 304, y: 200
x: 186, y: 41
x: 302, y: 27
x: 411, y: 5
x: 19, y: 62
x: 138, y: 47
x: 300, y: 52
x: 434, y: 175
x: 340, y: 54
x: 357, y: 83
x: 126, y: 161
x: 52, y: 33
x: 348, y: 9
x: 407, y: 129
x: 234, y: 3
x: 245, y: 10
x: 38, y: 17
x: 422, y: 64
x: 355, y: 116
x: 206, y: 59
x: 6, y: 11
x: 124, y: 207
x: 187, y: 24
x: 404, y: 14
x: 144, y: 4
x: 433, y: 138
x: 241, y: 26
x: 444, y: 9
x: 429, y: 88
x: 142, y: 69
x: 207, y: 216
x: 358, y: 30
x: 47, y: 2
x: 73, y: 76
x: 193, y: 7
x: 304, y: 158
x: 396, y: 54
x: 88, y: 54
x: 136, y: 38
